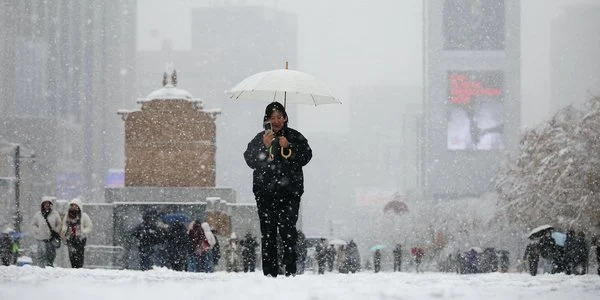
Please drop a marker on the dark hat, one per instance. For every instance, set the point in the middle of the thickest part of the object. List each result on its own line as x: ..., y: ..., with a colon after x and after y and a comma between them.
x: 274, y: 106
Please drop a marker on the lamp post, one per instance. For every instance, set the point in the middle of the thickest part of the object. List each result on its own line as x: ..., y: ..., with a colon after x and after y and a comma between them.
x: 18, y: 215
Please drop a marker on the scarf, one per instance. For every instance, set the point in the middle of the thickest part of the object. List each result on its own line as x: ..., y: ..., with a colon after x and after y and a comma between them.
x: 72, y: 223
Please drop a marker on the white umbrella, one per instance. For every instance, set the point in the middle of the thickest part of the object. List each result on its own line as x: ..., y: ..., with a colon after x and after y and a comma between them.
x: 285, y: 86
x: 539, y: 231
x: 337, y: 242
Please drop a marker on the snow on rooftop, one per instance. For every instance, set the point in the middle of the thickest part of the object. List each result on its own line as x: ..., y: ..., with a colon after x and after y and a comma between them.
x: 169, y: 92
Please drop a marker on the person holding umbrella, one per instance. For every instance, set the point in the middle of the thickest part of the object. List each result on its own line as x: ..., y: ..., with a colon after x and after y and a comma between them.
x: 277, y: 156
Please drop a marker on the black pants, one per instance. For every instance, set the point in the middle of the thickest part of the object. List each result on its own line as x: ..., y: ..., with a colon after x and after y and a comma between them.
x: 146, y: 255
x: 397, y: 265
x: 278, y: 214
x: 533, y: 266
x: 249, y: 264
x: 76, y: 250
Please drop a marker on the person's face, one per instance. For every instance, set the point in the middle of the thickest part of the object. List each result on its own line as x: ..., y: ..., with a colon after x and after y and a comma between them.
x: 46, y: 205
x: 73, y: 207
x: 277, y: 121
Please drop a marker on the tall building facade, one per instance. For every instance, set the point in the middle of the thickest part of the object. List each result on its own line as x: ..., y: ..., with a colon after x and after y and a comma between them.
x: 574, y: 55
x: 67, y: 67
x: 471, y: 94
x: 229, y: 43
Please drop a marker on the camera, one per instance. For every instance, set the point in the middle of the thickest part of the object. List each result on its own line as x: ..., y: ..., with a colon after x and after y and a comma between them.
x: 267, y: 126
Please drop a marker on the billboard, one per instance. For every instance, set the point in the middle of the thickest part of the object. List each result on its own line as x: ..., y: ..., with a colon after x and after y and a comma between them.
x: 115, y: 178
x: 475, y: 110
x: 474, y: 25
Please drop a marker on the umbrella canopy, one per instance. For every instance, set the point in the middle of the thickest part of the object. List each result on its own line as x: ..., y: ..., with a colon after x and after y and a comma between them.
x: 377, y: 247
x: 417, y: 251
x: 285, y: 86
x: 539, y: 231
x: 396, y: 206
x: 175, y: 218
x: 337, y: 242
x: 476, y: 249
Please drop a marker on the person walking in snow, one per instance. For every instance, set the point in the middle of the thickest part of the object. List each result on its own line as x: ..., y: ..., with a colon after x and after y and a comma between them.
x: 76, y: 227
x: 277, y: 156
x: 397, y: 258
x: 321, y: 256
x: 232, y: 254
x: 45, y: 226
x: 418, y: 253
x: 148, y: 235
x: 532, y: 257
x: 202, y: 241
x: 330, y: 257
x: 216, y: 249
x: 377, y: 261
x: 302, y: 252
x: 249, y: 246
x: 6, y: 244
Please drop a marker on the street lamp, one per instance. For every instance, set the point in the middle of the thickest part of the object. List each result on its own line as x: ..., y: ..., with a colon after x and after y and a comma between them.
x: 17, y: 160
x: 18, y: 215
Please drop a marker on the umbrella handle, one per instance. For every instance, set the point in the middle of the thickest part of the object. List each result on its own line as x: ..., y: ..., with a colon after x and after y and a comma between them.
x: 288, y: 155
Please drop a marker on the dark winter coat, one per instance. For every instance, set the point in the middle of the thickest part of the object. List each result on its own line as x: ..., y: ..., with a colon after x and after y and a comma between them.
x: 249, y: 245
x: 281, y: 175
x: 148, y: 234
x: 5, y: 246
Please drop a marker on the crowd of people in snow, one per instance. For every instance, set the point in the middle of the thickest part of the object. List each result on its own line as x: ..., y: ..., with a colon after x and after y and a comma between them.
x: 556, y: 255
x: 191, y: 246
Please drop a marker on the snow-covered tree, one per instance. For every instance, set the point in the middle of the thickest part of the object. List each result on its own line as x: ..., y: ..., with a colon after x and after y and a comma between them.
x: 555, y: 176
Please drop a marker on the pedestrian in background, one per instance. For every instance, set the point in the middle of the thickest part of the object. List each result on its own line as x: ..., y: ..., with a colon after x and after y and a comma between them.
x: 6, y: 244
x: 249, y: 246
x: 148, y: 235
x: 321, y: 256
x: 76, y: 227
x: 202, y: 241
x: 45, y: 226
x: 532, y: 257
x: 232, y: 251
x: 377, y: 261
x: 397, y: 258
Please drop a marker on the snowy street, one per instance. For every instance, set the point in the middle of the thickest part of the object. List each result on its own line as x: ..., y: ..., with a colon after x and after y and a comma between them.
x: 90, y: 284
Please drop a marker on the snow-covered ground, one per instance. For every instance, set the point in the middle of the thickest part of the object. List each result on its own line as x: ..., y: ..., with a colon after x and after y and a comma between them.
x: 160, y: 284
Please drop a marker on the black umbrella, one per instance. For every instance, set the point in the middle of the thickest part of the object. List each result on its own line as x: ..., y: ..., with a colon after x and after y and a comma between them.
x: 540, y: 231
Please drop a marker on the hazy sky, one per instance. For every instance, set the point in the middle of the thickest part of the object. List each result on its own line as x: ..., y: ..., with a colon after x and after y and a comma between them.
x: 347, y: 43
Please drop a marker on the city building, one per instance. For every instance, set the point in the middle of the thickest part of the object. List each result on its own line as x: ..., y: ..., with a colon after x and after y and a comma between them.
x: 67, y: 67
x: 472, y: 92
x: 574, y: 59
